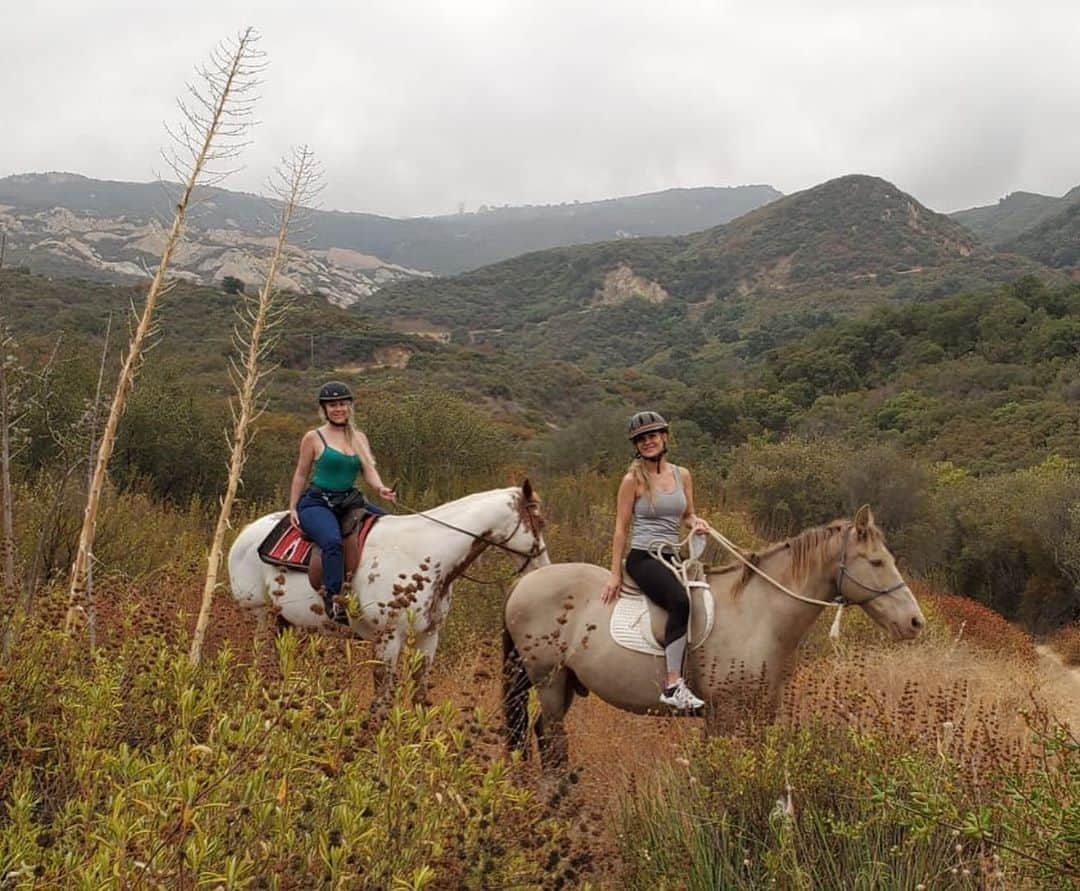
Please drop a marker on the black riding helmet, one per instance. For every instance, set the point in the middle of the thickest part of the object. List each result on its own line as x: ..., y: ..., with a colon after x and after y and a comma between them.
x: 332, y: 391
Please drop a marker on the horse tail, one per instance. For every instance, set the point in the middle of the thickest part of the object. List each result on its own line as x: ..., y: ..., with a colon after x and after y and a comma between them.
x: 516, y: 686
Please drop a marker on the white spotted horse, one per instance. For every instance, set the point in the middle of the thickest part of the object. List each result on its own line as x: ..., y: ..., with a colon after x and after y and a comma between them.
x: 403, y: 584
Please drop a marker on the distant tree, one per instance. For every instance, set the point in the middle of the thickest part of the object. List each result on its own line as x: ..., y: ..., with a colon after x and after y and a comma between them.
x: 232, y: 285
x: 715, y: 412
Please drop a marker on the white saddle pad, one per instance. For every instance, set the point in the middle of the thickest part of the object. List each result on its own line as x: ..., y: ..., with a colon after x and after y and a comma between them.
x: 631, y: 624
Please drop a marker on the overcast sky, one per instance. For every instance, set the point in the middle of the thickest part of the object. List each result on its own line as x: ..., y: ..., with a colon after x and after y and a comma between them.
x: 414, y: 106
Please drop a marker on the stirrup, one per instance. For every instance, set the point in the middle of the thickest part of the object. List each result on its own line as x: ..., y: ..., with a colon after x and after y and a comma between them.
x: 336, y: 611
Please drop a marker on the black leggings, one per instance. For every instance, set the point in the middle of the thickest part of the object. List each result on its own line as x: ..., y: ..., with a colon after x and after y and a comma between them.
x: 663, y: 589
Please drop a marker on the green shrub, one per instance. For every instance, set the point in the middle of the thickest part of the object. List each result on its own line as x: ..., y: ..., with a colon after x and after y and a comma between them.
x: 129, y: 767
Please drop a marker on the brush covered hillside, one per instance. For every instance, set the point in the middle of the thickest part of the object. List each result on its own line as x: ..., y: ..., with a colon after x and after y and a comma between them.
x: 845, y: 245
x: 962, y: 409
x: 951, y: 761
x: 61, y: 223
x: 1056, y: 240
x: 998, y: 224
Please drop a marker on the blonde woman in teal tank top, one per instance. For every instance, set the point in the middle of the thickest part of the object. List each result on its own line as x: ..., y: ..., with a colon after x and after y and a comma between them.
x: 324, y: 485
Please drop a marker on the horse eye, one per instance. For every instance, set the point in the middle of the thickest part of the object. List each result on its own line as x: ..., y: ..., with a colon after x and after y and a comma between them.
x: 876, y: 562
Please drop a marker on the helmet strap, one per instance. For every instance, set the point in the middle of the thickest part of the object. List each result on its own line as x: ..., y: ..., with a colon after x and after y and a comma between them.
x: 658, y: 460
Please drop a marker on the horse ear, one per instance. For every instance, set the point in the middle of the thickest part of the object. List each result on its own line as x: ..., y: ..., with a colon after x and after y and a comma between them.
x: 527, y: 490
x: 863, y: 519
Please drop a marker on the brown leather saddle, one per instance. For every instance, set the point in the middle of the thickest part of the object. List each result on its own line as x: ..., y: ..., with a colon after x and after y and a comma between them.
x: 288, y: 547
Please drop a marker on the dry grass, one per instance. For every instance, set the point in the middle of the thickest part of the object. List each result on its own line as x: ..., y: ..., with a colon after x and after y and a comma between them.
x: 1066, y: 643
x: 959, y: 693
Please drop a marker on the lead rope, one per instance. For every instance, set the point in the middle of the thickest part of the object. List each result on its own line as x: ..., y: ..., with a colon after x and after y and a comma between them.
x: 838, y: 605
x: 834, y: 628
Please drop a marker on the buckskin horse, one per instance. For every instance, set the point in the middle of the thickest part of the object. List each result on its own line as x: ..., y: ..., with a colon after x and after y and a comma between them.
x: 404, y: 581
x: 558, y: 633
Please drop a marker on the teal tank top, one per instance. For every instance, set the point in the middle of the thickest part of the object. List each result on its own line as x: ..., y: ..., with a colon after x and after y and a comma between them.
x: 335, y: 470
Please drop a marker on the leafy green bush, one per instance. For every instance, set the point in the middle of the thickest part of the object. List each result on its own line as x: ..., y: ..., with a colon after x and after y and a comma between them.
x: 129, y: 767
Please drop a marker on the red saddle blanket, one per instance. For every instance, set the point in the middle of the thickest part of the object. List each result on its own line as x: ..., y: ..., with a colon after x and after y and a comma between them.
x: 287, y: 546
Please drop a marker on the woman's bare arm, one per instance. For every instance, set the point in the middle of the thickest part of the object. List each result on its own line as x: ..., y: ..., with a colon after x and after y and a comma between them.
x: 690, y: 517
x: 371, y: 473
x: 300, y: 475
x: 624, y: 509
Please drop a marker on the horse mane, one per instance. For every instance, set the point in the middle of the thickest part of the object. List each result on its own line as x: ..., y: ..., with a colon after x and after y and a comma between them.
x: 807, y: 552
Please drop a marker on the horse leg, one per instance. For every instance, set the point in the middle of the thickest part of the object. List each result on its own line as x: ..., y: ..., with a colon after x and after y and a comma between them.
x: 383, y: 670
x: 425, y: 646
x: 555, y: 695
x: 515, y: 690
x: 266, y: 632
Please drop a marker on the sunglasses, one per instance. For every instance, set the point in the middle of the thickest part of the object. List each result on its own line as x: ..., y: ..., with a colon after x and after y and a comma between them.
x: 642, y: 437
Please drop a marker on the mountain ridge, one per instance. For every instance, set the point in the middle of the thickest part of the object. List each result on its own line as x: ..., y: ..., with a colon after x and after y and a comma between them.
x: 852, y: 241
x: 1055, y: 241
x: 442, y: 245
x: 1014, y: 214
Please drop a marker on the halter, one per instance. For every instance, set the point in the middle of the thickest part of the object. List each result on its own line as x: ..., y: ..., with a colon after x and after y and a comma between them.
x: 843, y: 572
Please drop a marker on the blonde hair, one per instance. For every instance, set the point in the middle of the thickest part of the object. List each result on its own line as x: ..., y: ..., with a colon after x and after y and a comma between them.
x: 352, y: 432
x: 641, y: 476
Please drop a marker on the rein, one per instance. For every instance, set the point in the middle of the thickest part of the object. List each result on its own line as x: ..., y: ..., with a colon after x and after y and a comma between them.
x: 528, y: 556
x: 842, y: 572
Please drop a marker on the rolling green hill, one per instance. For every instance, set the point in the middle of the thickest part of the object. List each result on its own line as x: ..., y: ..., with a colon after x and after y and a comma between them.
x: 846, y: 245
x: 1056, y: 240
x: 999, y: 223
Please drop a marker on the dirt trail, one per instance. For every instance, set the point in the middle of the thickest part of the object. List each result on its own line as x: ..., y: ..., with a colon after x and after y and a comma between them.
x: 1063, y: 681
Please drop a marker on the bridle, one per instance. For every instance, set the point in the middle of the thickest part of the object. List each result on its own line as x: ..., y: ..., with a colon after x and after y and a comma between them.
x: 842, y: 572
x: 528, y: 508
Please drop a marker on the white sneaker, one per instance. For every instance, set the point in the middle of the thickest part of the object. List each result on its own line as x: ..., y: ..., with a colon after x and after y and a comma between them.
x: 679, y: 696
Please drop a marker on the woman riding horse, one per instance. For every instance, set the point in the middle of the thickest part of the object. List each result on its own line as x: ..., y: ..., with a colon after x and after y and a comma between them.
x: 655, y: 499
x: 336, y: 452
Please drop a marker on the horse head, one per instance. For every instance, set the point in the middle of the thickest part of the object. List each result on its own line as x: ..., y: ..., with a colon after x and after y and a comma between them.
x: 866, y: 576
x: 527, y: 538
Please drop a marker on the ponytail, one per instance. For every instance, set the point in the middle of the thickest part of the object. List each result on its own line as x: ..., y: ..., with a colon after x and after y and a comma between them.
x: 642, y: 478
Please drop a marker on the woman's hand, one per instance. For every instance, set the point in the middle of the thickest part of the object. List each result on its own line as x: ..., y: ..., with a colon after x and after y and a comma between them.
x: 387, y: 494
x: 612, y: 588
x: 294, y: 518
x: 698, y: 526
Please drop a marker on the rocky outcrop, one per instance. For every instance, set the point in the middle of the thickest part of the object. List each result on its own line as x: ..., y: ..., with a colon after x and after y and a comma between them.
x: 621, y: 284
x: 121, y: 249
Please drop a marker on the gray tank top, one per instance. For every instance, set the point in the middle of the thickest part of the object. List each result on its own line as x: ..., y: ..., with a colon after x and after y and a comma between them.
x: 662, y: 519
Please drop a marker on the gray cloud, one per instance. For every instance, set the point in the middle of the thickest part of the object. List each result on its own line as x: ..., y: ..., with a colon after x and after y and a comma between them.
x: 414, y: 106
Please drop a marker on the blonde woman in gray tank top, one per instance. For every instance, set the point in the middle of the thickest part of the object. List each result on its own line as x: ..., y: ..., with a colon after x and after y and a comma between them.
x: 655, y: 502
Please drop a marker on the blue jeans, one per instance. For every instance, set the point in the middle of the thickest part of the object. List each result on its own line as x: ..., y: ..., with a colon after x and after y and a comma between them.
x: 322, y: 524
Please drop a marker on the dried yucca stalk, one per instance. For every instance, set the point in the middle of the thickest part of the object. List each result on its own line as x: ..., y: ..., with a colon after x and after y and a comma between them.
x: 296, y: 183
x: 7, y: 528
x: 20, y: 391
x: 214, y: 123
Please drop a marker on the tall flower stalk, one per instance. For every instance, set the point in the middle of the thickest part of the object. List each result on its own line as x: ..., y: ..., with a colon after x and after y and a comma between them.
x: 258, y: 319
x: 214, y: 122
